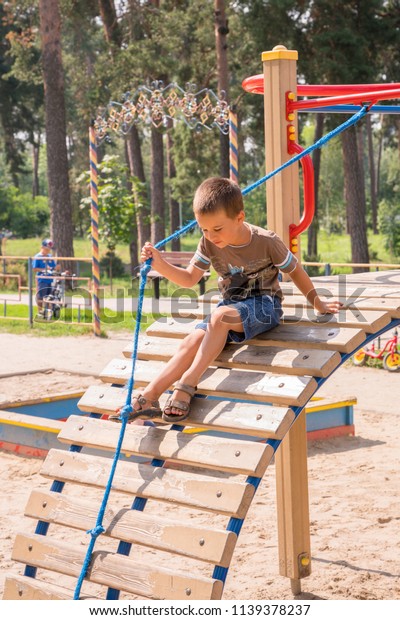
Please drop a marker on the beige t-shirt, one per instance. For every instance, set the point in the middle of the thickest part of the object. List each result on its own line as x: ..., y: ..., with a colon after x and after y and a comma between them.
x: 247, y: 270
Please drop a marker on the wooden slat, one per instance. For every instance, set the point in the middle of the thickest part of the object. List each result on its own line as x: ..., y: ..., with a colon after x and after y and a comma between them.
x: 359, y: 300
x: 294, y: 361
x: 331, y: 338
x: 231, y: 455
x: 133, y: 526
x: 230, y: 383
x: 348, y: 289
x: 392, y: 306
x: 206, y: 492
x: 369, y: 320
x: 253, y: 419
x: 114, y: 570
x: 20, y: 588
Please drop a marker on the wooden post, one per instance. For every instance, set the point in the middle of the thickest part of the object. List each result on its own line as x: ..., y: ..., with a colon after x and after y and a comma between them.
x: 283, y: 200
x: 283, y: 209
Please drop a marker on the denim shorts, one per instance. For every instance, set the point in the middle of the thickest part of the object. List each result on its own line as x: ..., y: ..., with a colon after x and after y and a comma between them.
x: 258, y: 314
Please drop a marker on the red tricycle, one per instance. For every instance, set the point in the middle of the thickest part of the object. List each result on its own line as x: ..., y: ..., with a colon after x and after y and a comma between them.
x: 389, y: 355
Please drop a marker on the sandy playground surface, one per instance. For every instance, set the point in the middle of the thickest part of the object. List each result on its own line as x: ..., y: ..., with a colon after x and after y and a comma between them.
x: 353, y: 481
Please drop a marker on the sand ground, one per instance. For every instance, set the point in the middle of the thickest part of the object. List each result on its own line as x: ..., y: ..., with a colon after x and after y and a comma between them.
x: 353, y: 481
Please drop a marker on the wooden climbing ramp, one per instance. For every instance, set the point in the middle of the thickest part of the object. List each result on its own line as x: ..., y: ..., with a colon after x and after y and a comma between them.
x: 180, y: 494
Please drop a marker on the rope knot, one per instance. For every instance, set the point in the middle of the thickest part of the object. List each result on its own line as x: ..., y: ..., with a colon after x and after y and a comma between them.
x: 144, y: 270
x: 96, y: 531
x: 125, y: 411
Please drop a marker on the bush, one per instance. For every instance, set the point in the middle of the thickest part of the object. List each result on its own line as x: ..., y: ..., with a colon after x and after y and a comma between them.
x: 16, y: 268
x: 23, y: 215
x: 117, y: 266
x: 389, y: 226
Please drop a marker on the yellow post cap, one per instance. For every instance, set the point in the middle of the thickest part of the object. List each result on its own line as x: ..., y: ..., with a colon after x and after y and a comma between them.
x: 280, y: 52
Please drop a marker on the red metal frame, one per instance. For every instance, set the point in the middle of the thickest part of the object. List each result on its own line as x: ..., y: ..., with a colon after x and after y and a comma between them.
x: 328, y: 95
x: 308, y: 192
x: 255, y: 84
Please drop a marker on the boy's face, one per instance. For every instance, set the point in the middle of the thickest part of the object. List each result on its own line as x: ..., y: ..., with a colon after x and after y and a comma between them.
x: 221, y: 229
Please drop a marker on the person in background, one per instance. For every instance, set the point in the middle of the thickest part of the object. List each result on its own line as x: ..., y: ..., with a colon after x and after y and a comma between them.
x: 42, y: 265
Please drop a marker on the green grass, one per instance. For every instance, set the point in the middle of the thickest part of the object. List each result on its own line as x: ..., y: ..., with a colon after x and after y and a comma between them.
x: 337, y: 248
x: 82, y: 247
x: 68, y: 324
x: 331, y: 248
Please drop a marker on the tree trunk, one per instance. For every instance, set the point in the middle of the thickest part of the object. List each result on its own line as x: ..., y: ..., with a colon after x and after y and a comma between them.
x: 221, y: 32
x: 355, y: 208
x: 379, y: 159
x: 157, y: 186
x: 372, y: 176
x: 141, y: 197
x: 173, y: 203
x: 312, y: 246
x: 108, y: 16
x: 133, y: 236
x: 35, y: 166
x: 55, y: 120
x: 360, y: 151
x: 140, y: 232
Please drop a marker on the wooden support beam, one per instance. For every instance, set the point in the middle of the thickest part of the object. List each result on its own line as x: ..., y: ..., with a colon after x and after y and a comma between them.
x: 292, y: 503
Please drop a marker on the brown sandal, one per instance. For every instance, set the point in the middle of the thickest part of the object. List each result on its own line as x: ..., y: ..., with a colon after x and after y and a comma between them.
x: 153, y: 411
x: 178, y: 404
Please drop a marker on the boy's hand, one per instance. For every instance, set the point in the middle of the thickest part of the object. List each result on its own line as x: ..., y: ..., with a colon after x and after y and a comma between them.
x: 149, y: 251
x: 327, y: 307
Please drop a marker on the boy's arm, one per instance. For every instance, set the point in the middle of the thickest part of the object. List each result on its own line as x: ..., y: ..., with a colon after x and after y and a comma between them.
x: 305, y: 286
x: 185, y: 277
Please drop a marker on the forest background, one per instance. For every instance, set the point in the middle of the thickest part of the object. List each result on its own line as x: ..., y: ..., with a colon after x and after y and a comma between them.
x: 63, y: 60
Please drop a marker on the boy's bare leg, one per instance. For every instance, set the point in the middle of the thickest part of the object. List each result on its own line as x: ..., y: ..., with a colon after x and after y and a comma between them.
x: 176, y: 366
x: 222, y: 320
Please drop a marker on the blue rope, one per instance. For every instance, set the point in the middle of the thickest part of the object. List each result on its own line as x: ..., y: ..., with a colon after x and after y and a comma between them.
x: 127, y: 408
x: 317, y: 145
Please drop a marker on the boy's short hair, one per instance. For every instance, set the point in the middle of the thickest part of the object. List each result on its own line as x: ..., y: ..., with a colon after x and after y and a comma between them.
x: 218, y: 193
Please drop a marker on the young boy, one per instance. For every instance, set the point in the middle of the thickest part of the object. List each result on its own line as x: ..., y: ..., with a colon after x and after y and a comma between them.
x: 247, y: 260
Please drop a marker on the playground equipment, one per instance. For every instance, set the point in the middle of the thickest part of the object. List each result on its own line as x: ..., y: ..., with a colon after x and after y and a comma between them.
x: 259, y: 389
x: 389, y: 355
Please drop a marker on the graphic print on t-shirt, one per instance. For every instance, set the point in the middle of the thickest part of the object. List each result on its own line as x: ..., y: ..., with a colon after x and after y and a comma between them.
x: 248, y: 270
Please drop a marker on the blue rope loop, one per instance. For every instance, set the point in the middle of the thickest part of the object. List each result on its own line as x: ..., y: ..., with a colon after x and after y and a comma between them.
x: 127, y: 408
x: 144, y: 270
x: 96, y: 531
x: 125, y: 411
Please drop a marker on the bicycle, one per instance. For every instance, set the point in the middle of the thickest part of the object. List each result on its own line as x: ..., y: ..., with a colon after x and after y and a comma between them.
x: 54, y: 301
x: 389, y: 355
